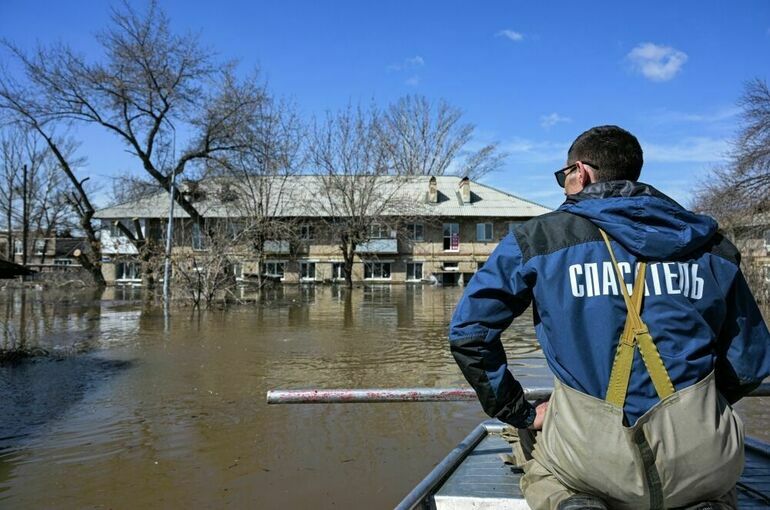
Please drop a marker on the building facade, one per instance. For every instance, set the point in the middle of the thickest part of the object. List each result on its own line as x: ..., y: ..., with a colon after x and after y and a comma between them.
x: 445, y: 237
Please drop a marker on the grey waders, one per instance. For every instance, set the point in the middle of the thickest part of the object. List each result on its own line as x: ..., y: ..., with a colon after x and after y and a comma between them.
x: 685, y: 449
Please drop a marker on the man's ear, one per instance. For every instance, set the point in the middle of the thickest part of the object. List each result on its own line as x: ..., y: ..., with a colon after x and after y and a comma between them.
x: 585, y: 175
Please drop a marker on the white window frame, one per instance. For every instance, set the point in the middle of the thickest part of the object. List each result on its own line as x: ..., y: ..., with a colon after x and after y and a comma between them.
x: 62, y: 262
x: 137, y: 271
x: 380, y: 231
x: 414, y: 264
x: 451, y: 227
x: 234, y: 229
x: 39, y: 246
x: 197, y: 242
x: 381, y: 265
x: 18, y: 247
x: 274, y: 263
x: 453, y: 266
x: 306, y: 232
x: 341, y: 266
x: 485, y: 232
x: 310, y: 264
x: 412, y: 231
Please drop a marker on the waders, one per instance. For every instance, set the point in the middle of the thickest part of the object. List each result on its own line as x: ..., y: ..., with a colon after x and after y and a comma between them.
x: 685, y: 449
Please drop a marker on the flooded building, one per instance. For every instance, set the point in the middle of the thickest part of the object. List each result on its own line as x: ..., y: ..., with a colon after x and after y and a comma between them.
x: 417, y: 228
x: 45, y: 252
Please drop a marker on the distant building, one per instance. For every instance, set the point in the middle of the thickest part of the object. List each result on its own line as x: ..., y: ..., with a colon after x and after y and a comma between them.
x: 446, y: 237
x: 44, y: 253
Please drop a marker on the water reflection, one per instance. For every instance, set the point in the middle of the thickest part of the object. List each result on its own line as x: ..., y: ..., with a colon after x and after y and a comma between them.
x: 176, y: 417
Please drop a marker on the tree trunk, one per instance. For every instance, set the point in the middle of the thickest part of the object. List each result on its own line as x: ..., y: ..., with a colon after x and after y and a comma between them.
x: 348, y: 255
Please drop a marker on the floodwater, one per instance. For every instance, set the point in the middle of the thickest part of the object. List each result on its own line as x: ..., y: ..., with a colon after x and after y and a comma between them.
x: 135, y: 411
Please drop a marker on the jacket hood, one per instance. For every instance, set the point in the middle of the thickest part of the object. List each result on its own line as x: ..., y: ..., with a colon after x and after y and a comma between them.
x: 646, y: 222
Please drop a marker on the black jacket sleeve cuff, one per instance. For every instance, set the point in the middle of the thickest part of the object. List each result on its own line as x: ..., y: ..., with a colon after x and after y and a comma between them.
x: 519, y: 413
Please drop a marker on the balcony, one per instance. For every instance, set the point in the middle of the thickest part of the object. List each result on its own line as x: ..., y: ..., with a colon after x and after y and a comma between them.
x: 379, y: 247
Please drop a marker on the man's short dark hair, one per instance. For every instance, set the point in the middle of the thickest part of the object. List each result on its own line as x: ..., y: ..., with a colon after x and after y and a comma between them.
x: 613, y: 152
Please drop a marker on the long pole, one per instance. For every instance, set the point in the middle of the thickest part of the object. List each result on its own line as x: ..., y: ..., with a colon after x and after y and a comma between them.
x: 350, y: 396
x: 169, y: 236
x: 170, y: 226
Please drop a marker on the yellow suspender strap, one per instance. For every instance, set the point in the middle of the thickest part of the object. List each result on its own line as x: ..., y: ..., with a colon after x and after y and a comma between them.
x: 635, y: 333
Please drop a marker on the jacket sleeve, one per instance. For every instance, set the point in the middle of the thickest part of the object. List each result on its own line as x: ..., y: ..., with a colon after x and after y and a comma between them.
x: 496, y: 294
x: 743, y: 349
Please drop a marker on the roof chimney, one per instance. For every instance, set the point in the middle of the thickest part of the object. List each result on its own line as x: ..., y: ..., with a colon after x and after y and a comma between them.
x: 465, y: 190
x: 432, y: 191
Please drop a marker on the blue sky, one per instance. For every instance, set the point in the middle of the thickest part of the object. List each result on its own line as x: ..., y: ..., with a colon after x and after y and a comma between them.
x: 528, y: 76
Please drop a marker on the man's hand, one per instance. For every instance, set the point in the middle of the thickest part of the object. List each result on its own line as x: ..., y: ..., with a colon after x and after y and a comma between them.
x: 539, y: 416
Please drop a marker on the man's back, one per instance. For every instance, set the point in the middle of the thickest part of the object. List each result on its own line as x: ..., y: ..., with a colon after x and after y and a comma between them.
x: 696, y: 316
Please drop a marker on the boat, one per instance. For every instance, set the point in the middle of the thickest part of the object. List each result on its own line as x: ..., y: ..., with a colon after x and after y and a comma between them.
x: 473, y: 476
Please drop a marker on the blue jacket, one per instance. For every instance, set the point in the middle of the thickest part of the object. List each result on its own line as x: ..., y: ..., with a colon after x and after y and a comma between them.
x: 697, y: 305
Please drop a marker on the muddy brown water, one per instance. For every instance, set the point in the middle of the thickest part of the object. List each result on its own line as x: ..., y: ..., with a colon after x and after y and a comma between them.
x: 136, y: 411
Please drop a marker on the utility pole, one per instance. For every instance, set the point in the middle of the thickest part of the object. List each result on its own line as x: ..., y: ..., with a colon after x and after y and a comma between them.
x: 169, y: 226
x: 24, y: 216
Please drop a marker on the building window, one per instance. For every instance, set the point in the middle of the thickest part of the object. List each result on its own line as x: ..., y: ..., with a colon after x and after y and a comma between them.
x: 451, y: 236
x: 273, y: 268
x: 234, y: 230
x: 451, y: 266
x: 479, y: 266
x: 307, y: 270
x: 338, y: 271
x: 377, y: 271
x: 39, y: 246
x: 306, y: 232
x: 237, y: 270
x: 127, y: 271
x: 484, y: 231
x: 197, y: 237
x: 414, y: 271
x: 415, y: 231
x: 18, y: 247
x: 62, y: 262
x: 379, y: 231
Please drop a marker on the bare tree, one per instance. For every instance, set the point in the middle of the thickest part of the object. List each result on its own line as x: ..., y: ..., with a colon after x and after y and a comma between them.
x: 425, y: 138
x: 32, y: 191
x: 355, y: 190
x: 258, y: 181
x: 205, y: 273
x: 738, y: 193
x: 28, y: 105
x: 12, y: 160
x: 151, y: 85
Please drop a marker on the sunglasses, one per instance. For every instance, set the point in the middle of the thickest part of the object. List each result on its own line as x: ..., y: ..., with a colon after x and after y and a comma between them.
x: 561, y: 174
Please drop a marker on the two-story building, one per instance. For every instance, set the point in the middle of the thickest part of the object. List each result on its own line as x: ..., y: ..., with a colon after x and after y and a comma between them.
x: 447, y: 230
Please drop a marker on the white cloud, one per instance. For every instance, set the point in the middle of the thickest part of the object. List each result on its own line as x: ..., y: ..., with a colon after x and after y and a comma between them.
x: 710, y: 117
x: 413, y: 81
x: 510, y: 34
x: 656, y: 62
x: 695, y: 149
x: 550, y: 120
x: 408, y: 64
x: 524, y: 151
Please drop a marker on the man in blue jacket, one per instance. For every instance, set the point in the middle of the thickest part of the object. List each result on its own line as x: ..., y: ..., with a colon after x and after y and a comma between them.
x: 646, y: 321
